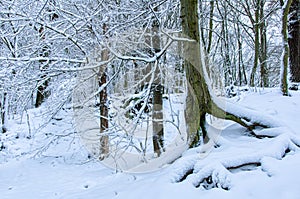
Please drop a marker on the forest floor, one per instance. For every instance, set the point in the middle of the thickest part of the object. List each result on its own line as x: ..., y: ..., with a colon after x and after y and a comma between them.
x: 52, y: 163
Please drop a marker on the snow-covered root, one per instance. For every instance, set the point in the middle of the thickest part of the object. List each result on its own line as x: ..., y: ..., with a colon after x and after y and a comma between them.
x: 217, y: 170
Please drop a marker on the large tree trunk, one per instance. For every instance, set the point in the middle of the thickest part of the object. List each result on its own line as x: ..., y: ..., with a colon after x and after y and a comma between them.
x: 294, y: 40
x: 194, y: 73
x: 198, y: 89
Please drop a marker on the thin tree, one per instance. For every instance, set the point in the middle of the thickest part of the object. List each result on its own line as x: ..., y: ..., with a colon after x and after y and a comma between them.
x: 44, y: 80
x: 103, y: 107
x: 256, y: 25
x: 211, y: 25
x: 263, y: 46
x: 3, y: 111
x: 158, y: 127
x: 286, y: 50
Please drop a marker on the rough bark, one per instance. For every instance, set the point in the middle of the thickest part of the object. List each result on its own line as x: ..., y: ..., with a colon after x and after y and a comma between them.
x: 294, y: 41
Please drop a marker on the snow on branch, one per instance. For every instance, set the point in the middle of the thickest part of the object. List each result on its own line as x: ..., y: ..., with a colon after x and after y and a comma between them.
x: 42, y: 59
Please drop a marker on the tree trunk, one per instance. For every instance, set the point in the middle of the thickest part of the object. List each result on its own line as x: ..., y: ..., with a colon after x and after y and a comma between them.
x: 241, y: 67
x: 3, y: 111
x: 103, y: 116
x: 210, y: 31
x: 294, y: 41
x: 198, y: 89
x: 158, y: 127
x: 43, y: 82
x: 263, y: 47
x: 194, y: 73
x: 104, y: 139
x: 256, y: 44
x: 225, y: 44
x: 42, y: 92
x: 285, y: 54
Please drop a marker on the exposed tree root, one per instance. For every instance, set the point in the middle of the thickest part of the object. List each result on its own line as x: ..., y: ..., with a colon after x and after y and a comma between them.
x: 217, y: 173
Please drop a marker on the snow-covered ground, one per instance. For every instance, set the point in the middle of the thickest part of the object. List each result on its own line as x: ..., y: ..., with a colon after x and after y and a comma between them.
x: 53, y: 163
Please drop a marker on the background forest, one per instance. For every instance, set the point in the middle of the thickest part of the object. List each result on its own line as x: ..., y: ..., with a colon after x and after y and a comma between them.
x: 44, y: 44
x: 117, y: 80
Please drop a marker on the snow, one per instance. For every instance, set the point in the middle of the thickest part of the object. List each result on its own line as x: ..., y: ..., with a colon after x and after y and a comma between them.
x: 54, y: 163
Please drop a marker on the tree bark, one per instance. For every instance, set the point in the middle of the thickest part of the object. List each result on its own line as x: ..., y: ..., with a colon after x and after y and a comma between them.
x: 285, y: 54
x: 263, y: 47
x: 3, y: 113
x: 256, y: 43
x: 194, y: 73
x: 294, y: 40
x: 210, y: 31
x: 225, y: 44
x: 242, y: 77
x: 43, y: 82
x: 158, y: 126
x: 104, y: 139
x: 41, y: 94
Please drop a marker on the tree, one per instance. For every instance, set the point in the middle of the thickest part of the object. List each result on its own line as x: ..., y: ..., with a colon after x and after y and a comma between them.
x: 43, y: 82
x: 210, y: 174
x: 157, y: 101
x: 3, y: 111
x: 263, y: 46
x: 103, y: 106
x: 260, y: 42
x: 195, y: 67
x: 242, y: 43
x: 294, y: 40
x: 286, y: 50
x: 224, y: 10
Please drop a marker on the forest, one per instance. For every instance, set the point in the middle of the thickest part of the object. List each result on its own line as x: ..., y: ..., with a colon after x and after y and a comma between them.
x: 185, y: 93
